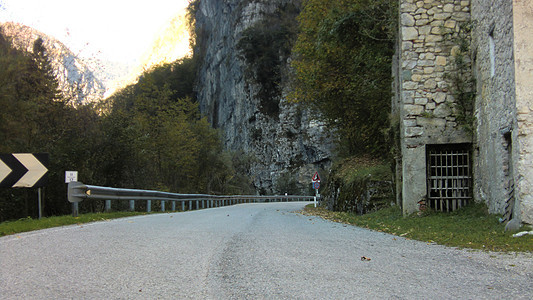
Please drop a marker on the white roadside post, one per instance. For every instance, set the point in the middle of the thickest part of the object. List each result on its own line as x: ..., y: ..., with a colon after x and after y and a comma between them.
x: 72, y: 176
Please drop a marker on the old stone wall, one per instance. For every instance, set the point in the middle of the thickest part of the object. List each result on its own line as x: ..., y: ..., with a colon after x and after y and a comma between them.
x: 426, y: 95
x: 523, y: 62
x: 500, y: 60
x: 495, y: 109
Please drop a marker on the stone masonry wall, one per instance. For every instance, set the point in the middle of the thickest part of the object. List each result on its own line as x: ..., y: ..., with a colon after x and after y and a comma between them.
x: 426, y: 96
x: 495, y: 108
x: 523, y: 54
x: 501, y: 61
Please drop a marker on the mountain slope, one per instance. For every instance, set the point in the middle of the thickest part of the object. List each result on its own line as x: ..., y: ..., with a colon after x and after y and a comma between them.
x: 287, y: 144
x: 169, y: 44
x: 76, y: 80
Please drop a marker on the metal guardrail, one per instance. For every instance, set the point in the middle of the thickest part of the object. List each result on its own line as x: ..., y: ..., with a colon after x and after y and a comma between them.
x: 78, y: 192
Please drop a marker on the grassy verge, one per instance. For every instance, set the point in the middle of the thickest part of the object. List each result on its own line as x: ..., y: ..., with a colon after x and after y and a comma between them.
x: 29, y: 224
x: 470, y: 227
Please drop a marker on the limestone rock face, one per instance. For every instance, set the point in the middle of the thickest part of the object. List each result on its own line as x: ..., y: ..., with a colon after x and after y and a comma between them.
x: 76, y: 80
x: 289, y: 141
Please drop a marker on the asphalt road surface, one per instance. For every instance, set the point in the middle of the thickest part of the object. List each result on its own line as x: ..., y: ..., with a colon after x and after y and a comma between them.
x: 248, y: 251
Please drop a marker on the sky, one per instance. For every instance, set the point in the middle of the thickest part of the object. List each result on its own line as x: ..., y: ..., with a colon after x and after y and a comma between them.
x: 115, y: 30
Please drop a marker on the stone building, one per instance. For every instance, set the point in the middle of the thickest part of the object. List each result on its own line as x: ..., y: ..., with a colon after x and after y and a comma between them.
x: 464, y: 101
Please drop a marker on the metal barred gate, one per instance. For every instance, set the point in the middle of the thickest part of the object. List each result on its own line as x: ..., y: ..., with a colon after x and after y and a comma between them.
x: 449, y: 180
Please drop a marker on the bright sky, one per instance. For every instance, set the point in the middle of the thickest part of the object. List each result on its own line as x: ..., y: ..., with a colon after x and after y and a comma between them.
x: 117, y: 30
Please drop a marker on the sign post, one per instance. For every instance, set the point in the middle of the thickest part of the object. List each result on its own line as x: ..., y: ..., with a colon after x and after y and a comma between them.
x: 316, y: 185
x: 40, y: 203
x: 72, y: 176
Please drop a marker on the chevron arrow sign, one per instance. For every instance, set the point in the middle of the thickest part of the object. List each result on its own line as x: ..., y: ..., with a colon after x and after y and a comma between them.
x: 23, y: 169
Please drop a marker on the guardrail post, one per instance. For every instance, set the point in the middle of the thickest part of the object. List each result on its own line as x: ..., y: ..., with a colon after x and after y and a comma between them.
x: 132, y: 205
x: 148, y: 205
x: 108, y: 205
x: 75, y: 209
x: 173, y: 205
x: 162, y: 205
x: 182, y: 205
x: 197, y: 204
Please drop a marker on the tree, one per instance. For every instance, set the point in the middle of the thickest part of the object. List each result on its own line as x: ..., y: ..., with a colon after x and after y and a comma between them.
x: 32, y: 118
x: 166, y: 144
x: 149, y: 135
x: 342, y: 63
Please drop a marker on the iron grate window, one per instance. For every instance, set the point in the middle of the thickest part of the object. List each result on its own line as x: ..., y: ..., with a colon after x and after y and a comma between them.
x: 449, y: 176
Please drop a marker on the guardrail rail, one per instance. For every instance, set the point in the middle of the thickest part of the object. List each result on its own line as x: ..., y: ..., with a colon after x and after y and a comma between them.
x: 78, y: 192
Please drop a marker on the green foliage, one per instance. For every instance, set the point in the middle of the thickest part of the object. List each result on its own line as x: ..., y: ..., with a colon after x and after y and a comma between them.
x: 288, y: 183
x: 469, y: 227
x: 179, y: 76
x: 29, y: 224
x: 266, y: 46
x: 359, y: 184
x: 168, y: 145
x: 149, y: 135
x: 343, y: 68
x: 34, y: 118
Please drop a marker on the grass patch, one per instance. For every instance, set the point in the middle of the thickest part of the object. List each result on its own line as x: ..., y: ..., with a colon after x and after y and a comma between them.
x: 354, y: 168
x: 471, y: 227
x: 29, y: 224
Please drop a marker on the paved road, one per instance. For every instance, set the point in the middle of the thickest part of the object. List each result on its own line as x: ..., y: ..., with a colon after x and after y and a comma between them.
x: 248, y: 251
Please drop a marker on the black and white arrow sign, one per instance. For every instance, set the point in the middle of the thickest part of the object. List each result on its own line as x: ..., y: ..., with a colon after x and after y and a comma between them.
x: 23, y: 169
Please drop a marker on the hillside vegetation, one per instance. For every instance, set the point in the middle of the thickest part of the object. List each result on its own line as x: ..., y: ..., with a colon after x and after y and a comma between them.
x: 342, y: 68
x: 149, y: 135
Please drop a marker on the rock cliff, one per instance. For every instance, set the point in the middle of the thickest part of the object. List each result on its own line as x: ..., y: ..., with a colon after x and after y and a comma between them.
x: 75, y: 78
x: 285, y: 141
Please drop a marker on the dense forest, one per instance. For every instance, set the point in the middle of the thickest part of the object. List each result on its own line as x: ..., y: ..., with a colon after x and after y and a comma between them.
x: 148, y: 135
x: 151, y: 135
